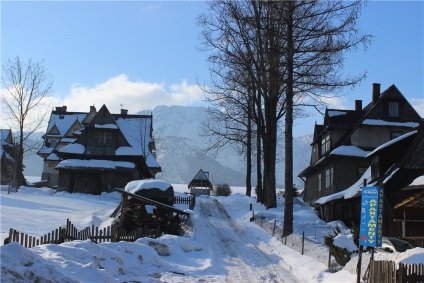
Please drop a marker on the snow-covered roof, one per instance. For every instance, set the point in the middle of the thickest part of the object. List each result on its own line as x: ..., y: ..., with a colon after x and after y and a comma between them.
x: 106, y: 126
x: 73, y: 148
x: 94, y: 163
x: 137, y: 132
x: 53, y: 157
x: 332, y: 113
x: 138, y: 185
x: 350, y: 192
x: 349, y: 150
x: 64, y: 121
x: 4, y: 134
x: 418, y: 181
x: 375, y: 122
x: 68, y: 140
x: 151, y: 161
x: 392, y: 142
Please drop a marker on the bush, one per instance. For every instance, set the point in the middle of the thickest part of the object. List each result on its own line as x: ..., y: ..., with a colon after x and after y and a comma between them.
x: 341, y: 255
x: 223, y: 190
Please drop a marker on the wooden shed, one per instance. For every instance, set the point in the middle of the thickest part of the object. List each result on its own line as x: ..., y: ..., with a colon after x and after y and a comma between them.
x: 200, y: 185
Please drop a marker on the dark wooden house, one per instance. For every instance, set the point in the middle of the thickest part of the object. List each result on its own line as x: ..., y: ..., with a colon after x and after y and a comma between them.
x: 340, y: 148
x: 106, y: 151
x: 200, y: 185
x: 7, y: 159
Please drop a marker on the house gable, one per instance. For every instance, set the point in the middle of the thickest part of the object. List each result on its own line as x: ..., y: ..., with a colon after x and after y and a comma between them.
x: 388, y: 115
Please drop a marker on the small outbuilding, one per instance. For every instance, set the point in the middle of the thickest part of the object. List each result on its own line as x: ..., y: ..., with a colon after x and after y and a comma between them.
x: 200, y: 185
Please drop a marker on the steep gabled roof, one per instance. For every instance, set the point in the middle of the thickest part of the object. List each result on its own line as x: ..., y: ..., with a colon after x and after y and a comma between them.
x: 200, y: 180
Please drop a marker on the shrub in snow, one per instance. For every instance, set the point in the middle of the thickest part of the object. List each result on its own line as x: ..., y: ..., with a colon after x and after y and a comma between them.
x: 223, y: 190
x: 341, y: 246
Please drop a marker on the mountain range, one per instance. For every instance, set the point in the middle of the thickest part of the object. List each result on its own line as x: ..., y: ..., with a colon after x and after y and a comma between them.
x: 179, y: 143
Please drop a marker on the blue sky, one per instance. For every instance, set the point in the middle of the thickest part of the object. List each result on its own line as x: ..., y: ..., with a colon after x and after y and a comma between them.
x: 140, y: 54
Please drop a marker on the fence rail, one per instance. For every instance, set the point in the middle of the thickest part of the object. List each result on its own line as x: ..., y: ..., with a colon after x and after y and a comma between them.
x: 190, y: 200
x: 387, y: 272
x: 70, y: 232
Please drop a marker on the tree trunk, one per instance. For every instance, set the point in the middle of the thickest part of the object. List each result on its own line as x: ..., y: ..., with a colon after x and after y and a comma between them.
x: 288, y: 180
x: 249, y: 152
x: 259, y: 188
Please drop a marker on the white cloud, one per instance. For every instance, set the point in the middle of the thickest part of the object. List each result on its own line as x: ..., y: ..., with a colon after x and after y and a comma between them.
x: 418, y: 104
x: 132, y: 95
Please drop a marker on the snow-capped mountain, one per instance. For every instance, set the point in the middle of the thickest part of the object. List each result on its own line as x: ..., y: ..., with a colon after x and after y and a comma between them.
x: 177, y: 130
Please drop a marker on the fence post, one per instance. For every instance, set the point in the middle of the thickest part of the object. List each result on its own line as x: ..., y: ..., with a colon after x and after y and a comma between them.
x: 273, y: 230
x: 329, y: 256
x: 303, y: 241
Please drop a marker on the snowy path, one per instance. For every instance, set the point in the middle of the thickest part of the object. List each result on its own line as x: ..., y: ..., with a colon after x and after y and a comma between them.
x: 244, y: 260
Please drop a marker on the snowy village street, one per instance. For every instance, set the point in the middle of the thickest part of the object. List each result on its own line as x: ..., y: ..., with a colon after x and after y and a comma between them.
x: 244, y: 258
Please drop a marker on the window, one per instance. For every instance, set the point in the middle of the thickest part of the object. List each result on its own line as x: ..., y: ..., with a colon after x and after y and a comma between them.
x: 393, y: 109
x: 329, y: 175
x: 103, y: 138
x: 325, y: 144
x: 319, y: 182
x: 53, y: 143
x: 394, y: 135
x: 375, y: 170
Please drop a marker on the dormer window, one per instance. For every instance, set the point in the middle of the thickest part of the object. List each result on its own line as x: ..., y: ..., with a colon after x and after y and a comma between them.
x: 393, y: 109
x: 102, y: 138
x: 375, y: 170
x: 325, y: 144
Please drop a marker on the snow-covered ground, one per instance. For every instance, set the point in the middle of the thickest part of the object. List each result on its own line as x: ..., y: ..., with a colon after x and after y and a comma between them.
x: 220, y: 244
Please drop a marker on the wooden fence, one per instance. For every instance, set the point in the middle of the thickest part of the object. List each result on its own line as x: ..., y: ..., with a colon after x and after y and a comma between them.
x: 190, y: 200
x: 416, y: 241
x: 387, y: 272
x: 70, y: 232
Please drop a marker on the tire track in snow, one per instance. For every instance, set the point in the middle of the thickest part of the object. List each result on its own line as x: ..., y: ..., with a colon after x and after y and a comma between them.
x: 242, y: 259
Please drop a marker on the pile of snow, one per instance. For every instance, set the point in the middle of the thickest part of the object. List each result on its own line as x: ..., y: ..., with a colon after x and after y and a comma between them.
x: 138, y: 185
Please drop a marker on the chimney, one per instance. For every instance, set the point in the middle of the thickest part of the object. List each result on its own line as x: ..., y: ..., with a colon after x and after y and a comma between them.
x: 358, y: 105
x: 124, y: 111
x: 375, y: 92
x: 61, y: 109
x: 92, y: 109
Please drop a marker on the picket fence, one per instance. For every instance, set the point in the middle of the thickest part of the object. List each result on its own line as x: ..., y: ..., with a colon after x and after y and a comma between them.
x: 387, y: 272
x: 69, y: 233
x: 107, y: 234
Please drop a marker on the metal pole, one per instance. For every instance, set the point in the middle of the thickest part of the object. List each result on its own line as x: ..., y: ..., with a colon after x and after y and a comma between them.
x: 358, y: 267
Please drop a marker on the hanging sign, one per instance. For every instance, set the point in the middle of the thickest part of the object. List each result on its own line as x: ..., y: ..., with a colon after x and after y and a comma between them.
x: 371, y: 226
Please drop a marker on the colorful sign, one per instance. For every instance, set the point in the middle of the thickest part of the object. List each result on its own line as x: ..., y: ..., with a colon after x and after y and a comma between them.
x: 371, y: 227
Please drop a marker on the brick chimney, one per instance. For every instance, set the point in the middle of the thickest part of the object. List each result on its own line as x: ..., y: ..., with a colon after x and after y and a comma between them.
x: 61, y: 109
x: 124, y: 111
x: 358, y: 105
x: 375, y: 92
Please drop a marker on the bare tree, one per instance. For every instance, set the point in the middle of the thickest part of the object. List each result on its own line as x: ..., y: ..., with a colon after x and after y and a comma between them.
x: 317, y: 35
x: 25, y: 87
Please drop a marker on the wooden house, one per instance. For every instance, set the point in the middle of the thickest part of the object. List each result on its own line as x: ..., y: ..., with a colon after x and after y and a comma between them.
x: 341, y: 145
x: 97, y: 151
x: 7, y: 159
x: 200, y: 185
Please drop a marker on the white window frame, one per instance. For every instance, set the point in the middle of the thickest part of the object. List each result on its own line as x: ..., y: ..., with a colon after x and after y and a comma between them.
x: 329, y: 177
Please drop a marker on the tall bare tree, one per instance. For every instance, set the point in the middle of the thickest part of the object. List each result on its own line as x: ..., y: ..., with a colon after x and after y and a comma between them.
x: 316, y: 37
x: 24, y: 89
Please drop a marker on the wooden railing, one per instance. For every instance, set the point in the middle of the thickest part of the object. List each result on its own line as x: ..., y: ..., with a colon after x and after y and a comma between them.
x: 190, y: 200
x: 387, y: 272
x: 70, y: 232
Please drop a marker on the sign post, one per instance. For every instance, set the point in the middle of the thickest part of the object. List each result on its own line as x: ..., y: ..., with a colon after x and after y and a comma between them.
x: 371, y: 222
x: 371, y: 227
